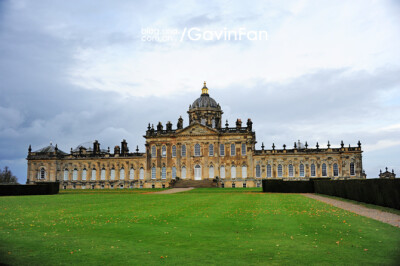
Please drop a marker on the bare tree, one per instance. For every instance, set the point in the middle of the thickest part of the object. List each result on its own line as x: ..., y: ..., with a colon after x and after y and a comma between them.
x: 6, y: 177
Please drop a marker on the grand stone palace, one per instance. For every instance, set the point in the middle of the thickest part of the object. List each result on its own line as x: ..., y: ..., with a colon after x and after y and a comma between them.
x: 204, y: 150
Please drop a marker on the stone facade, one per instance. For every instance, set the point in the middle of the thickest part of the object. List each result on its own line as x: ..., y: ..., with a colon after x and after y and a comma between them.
x: 202, y: 150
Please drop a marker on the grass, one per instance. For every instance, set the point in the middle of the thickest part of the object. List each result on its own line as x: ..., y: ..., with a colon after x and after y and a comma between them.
x: 203, y: 226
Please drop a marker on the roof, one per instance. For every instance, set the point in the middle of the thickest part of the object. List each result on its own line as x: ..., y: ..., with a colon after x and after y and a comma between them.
x: 204, y: 101
x: 49, y: 149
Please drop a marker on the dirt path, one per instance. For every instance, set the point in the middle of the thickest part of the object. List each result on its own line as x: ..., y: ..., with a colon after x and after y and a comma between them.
x: 173, y: 190
x: 386, y: 217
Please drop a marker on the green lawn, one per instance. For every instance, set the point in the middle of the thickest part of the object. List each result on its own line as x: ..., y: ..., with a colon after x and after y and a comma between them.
x: 203, y: 226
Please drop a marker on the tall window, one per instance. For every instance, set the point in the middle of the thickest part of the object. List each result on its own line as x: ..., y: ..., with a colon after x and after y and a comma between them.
x: 183, y: 150
x: 164, y: 151
x: 197, y: 149
x: 302, y: 170
x: 203, y: 121
x: 280, y: 172
x: 153, y: 172
x: 222, y: 150
x: 94, y: 174
x: 213, y: 123
x: 122, y: 173
x: 243, y: 148
x: 183, y: 172
x: 233, y: 171
x: 153, y: 151
x: 258, y: 170
x: 112, y: 174
x: 269, y: 170
x: 173, y: 151
x: 163, y: 172
x: 291, y: 170
x: 65, y: 174
x: 42, y: 173
x: 103, y: 174
x: 233, y: 149
x: 244, y: 171
x: 75, y: 174
x: 173, y: 172
x: 222, y: 171
x: 352, y: 171
x: 324, y: 170
x: 211, y: 172
x: 141, y: 173
x: 313, y: 170
x: 335, y: 169
x: 84, y: 174
x: 210, y: 150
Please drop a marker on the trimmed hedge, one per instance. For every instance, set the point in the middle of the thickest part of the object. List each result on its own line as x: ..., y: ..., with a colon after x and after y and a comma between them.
x: 42, y: 188
x: 281, y: 186
x: 383, y: 192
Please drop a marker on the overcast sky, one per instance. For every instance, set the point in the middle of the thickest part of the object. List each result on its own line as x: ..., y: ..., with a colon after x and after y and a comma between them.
x: 76, y: 71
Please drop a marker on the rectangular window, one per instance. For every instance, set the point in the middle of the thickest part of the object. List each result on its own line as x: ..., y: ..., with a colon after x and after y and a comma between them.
x: 222, y: 150
x: 183, y: 150
x: 269, y: 170
x: 243, y: 149
x: 211, y: 150
x: 233, y: 149
x: 174, y: 151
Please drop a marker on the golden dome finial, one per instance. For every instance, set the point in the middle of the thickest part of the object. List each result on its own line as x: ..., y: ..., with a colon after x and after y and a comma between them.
x: 204, y: 90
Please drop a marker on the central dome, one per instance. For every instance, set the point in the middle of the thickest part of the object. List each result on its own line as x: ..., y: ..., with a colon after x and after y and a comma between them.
x: 204, y: 100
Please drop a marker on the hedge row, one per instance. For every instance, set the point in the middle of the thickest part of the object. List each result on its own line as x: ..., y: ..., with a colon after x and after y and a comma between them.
x: 383, y: 192
x: 43, y: 188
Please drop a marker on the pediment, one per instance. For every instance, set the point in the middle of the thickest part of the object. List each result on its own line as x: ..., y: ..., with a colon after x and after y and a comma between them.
x: 197, y: 129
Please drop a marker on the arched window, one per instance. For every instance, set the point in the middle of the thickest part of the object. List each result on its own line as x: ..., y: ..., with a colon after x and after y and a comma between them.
x: 313, y: 170
x: 324, y: 170
x: 164, y: 151
x: 65, y: 174
x: 94, y: 174
x: 280, y: 172
x: 163, y: 172
x: 183, y: 153
x: 112, y: 174
x: 222, y: 150
x: 291, y: 174
x: 173, y: 151
x: 210, y: 150
x: 131, y: 173
x: 183, y: 172
x: 197, y: 149
x: 103, y: 174
x: 153, y: 151
x: 173, y: 172
x: 197, y: 172
x: 122, y: 173
x: 84, y: 174
x: 302, y: 170
x: 244, y: 171
x: 42, y: 173
x: 269, y: 170
x: 211, y: 172
x: 233, y: 171
x: 75, y: 174
x: 258, y: 170
x: 153, y: 172
x: 352, y: 171
x: 335, y: 169
x: 141, y: 173
x: 233, y: 149
x: 243, y: 149
x: 222, y: 171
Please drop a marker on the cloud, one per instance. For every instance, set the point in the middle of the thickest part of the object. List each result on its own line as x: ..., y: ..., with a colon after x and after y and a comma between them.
x: 77, y: 72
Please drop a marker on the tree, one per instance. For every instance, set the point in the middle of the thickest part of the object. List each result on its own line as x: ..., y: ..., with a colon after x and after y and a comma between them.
x: 6, y: 177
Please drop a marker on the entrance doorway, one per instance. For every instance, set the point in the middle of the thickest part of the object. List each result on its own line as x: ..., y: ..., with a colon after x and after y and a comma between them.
x: 197, y: 172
